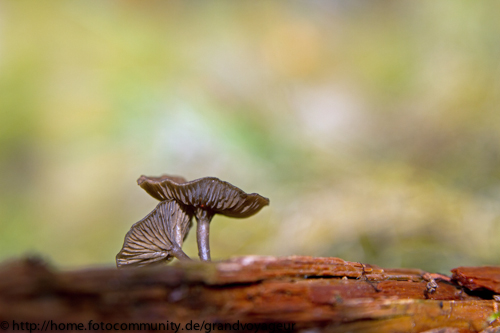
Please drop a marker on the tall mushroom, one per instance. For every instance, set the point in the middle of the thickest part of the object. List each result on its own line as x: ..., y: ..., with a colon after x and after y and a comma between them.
x: 206, y: 197
x: 158, y: 236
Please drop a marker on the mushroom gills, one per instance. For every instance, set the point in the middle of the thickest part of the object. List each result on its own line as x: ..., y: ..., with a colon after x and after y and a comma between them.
x: 157, y: 237
x: 206, y: 197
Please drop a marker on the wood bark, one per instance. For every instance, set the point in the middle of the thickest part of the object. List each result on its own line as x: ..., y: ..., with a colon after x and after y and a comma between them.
x: 250, y: 293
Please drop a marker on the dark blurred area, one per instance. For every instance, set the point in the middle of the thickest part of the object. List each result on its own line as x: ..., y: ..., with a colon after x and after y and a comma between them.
x: 372, y: 126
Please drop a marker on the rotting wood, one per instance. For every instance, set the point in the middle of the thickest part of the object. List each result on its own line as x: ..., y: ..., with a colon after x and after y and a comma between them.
x: 478, y: 278
x: 327, y: 294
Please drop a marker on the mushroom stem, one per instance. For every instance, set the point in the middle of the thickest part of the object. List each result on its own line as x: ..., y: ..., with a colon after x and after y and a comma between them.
x: 203, y: 217
x: 179, y: 254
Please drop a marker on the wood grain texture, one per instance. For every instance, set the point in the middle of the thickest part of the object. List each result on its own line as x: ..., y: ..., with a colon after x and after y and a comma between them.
x: 320, y: 294
x: 478, y: 278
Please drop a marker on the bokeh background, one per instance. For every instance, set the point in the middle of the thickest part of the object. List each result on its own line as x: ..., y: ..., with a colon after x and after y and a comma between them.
x: 372, y: 126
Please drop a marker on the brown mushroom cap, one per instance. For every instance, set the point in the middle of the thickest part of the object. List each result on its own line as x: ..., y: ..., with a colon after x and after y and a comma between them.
x: 208, y: 193
x: 153, y: 238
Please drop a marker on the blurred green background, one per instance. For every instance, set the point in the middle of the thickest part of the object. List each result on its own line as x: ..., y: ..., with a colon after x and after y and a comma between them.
x: 372, y: 126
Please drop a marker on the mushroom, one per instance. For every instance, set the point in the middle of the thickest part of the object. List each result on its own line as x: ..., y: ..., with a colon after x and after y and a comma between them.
x: 206, y: 197
x: 158, y: 236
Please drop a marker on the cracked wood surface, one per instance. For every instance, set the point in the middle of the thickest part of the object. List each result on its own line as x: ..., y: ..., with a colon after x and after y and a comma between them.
x: 326, y: 294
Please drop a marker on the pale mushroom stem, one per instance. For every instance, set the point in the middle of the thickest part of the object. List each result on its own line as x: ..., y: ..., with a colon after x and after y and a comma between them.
x: 177, y: 241
x: 203, y: 217
x: 179, y: 254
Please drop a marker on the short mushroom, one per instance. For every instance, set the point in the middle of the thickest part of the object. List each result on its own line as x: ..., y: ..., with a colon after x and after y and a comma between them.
x: 158, y: 236
x: 206, y: 197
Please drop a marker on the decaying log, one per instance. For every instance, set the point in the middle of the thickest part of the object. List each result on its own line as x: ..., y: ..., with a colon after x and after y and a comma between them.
x: 478, y: 278
x: 299, y: 293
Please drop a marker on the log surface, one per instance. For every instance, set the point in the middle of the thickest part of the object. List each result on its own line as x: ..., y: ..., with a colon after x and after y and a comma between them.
x: 323, y: 294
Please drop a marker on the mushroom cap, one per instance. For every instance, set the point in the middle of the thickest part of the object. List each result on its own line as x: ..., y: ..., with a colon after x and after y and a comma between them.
x: 208, y: 193
x: 151, y: 239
